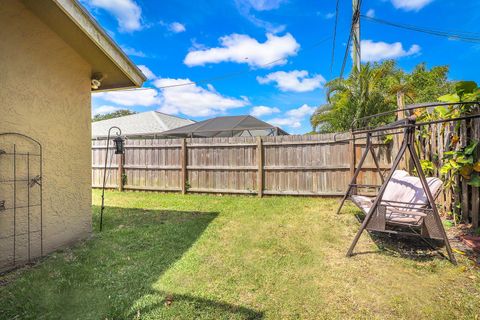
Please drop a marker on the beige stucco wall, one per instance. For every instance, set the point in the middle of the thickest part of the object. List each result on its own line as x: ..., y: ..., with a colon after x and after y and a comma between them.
x: 45, y: 93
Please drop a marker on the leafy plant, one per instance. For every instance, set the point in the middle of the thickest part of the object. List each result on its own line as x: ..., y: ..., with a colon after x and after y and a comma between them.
x: 448, y: 223
x: 458, y: 161
x: 465, y: 91
x: 373, y: 90
x: 461, y: 162
x: 388, y: 139
x: 427, y: 167
x: 362, y: 94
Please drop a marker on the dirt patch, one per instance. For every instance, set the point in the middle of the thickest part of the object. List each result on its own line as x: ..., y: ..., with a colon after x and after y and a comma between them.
x: 464, y: 242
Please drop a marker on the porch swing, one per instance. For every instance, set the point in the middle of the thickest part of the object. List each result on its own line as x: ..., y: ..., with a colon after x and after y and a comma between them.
x: 404, y: 204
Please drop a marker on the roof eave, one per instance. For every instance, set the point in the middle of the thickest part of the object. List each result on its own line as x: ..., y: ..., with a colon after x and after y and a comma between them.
x: 127, y: 75
x: 104, y: 42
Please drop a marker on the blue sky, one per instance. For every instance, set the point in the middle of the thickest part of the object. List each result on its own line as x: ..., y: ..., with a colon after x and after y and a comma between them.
x: 278, y: 50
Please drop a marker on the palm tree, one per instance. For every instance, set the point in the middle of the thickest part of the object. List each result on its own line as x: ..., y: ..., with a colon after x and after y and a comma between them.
x: 363, y: 93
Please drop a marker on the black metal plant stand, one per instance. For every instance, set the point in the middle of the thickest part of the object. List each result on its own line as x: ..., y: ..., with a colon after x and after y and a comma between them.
x: 118, y: 141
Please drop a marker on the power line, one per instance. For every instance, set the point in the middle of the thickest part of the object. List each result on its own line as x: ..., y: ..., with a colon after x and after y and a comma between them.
x: 221, y: 77
x: 344, y: 63
x: 232, y: 74
x: 334, y: 38
x: 355, y: 17
x: 457, y: 35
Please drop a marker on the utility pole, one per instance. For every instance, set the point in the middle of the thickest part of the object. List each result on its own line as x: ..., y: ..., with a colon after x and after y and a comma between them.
x: 356, y: 34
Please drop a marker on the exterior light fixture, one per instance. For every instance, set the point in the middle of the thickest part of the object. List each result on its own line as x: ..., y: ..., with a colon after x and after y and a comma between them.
x: 96, y: 81
x: 96, y: 84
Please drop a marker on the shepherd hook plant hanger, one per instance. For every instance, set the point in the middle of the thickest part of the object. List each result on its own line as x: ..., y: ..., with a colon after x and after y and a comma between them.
x: 118, y: 150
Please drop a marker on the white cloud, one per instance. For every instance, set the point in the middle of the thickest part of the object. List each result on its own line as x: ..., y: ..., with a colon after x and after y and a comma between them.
x: 296, y: 80
x: 246, y: 6
x: 104, y: 109
x: 371, y: 13
x: 330, y: 15
x: 301, y: 112
x: 127, y: 13
x: 294, y: 117
x: 177, y: 27
x: 133, y: 52
x: 260, y: 111
x: 147, y: 72
x: 376, y: 51
x: 270, y: 27
x: 410, y: 5
x: 193, y: 100
x: 285, y: 122
x: 241, y: 48
x: 190, y: 100
x: 261, y: 5
x: 135, y: 97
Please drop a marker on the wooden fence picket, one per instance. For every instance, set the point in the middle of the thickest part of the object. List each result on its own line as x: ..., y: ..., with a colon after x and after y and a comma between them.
x: 308, y: 165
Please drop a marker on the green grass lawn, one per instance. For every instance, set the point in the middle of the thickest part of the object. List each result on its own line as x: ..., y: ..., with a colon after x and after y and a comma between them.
x: 168, y: 256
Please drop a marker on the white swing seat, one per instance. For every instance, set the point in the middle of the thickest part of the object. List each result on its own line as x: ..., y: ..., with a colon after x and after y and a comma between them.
x: 403, y: 191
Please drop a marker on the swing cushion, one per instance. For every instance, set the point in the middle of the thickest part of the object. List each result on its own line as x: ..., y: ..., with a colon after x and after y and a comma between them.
x: 403, y: 188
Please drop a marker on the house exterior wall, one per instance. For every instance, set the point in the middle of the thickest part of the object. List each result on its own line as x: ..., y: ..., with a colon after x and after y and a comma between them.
x: 45, y: 94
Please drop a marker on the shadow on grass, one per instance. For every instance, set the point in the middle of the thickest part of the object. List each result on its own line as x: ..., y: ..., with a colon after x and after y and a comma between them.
x: 104, y: 277
x: 413, y: 247
x: 177, y: 306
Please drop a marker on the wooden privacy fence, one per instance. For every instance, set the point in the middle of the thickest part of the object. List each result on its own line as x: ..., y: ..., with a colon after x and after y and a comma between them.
x: 310, y: 165
x: 464, y: 200
x: 282, y: 165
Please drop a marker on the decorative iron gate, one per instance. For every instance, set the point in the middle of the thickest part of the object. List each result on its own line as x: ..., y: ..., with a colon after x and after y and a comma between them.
x: 21, y: 193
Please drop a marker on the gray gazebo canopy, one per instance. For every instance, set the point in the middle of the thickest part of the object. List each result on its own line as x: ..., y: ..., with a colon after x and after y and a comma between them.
x: 228, y: 126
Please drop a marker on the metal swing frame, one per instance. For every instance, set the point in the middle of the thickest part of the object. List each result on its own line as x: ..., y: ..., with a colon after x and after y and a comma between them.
x: 375, y: 220
x: 352, y: 186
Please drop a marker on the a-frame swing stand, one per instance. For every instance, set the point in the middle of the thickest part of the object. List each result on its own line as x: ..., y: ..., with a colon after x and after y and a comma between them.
x: 375, y: 220
x: 352, y: 187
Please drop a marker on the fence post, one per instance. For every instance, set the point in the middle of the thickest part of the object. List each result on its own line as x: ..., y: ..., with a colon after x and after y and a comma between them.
x: 464, y: 186
x: 120, y: 171
x: 407, y: 162
x: 353, y: 160
x: 184, y: 165
x: 475, y: 191
x: 260, y: 166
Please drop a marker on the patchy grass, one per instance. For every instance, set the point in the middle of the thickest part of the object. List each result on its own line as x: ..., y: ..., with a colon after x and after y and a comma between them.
x: 167, y: 256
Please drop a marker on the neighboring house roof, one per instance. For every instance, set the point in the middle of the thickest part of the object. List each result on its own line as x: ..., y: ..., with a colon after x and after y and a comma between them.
x: 224, y: 127
x: 79, y: 29
x: 149, y: 123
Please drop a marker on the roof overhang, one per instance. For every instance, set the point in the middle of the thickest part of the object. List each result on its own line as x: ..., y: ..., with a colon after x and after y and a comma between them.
x: 79, y: 29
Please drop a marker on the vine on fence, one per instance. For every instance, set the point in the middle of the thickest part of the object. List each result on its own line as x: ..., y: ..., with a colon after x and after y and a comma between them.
x: 461, y: 162
x: 459, y: 159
